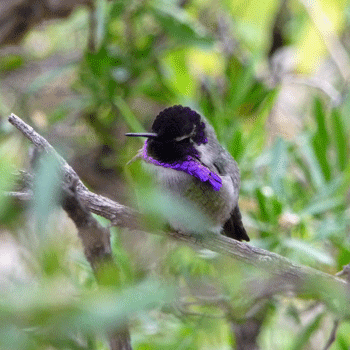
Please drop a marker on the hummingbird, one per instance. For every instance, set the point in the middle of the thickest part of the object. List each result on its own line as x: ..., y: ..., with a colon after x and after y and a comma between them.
x: 187, y: 160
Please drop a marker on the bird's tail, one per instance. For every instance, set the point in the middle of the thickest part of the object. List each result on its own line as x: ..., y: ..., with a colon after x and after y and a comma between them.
x: 234, y: 228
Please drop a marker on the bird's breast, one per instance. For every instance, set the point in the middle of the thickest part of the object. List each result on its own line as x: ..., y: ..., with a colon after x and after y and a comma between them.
x: 215, y: 205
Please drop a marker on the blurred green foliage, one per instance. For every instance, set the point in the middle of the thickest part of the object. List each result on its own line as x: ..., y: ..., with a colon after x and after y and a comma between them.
x: 123, y: 63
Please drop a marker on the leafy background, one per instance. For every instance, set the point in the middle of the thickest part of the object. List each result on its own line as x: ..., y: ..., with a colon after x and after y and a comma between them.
x: 272, y: 78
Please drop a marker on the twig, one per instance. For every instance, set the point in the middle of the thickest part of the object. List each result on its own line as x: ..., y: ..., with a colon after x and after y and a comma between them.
x: 97, y: 248
x: 95, y: 238
x: 345, y: 272
x: 276, y: 274
x: 22, y: 196
x: 118, y: 214
x: 332, y: 336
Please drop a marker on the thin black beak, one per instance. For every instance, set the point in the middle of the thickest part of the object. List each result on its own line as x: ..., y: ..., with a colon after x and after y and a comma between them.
x: 142, y: 134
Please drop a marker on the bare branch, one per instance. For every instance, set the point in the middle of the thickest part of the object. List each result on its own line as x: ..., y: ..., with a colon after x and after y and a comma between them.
x: 275, y: 274
x: 345, y: 272
x: 118, y: 214
x: 97, y: 248
x: 95, y: 238
x: 23, y: 196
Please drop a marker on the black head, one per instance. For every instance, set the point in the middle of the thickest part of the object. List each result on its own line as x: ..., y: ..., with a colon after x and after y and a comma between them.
x: 175, y: 131
x: 178, y: 123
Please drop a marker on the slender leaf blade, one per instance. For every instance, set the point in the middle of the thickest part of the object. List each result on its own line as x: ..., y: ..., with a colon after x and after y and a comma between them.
x: 340, y: 139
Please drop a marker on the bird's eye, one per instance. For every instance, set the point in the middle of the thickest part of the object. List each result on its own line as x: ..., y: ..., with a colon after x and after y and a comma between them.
x: 181, y: 138
x: 187, y: 136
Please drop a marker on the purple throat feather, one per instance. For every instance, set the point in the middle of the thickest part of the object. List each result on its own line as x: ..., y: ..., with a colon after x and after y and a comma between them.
x: 190, y: 166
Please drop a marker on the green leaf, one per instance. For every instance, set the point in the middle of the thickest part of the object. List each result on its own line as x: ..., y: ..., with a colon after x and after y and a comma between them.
x: 103, y: 311
x: 101, y: 16
x: 46, y: 190
x: 321, y: 207
x: 184, y: 261
x: 308, y: 251
x: 174, y: 209
x: 240, y: 85
x: 128, y: 115
x: 11, y: 62
x: 245, y: 93
x: 303, y: 337
x: 320, y: 118
x: 6, y: 177
x: 340, y: 139
x: 118, y: 8
x: 345, y: 178
x: 14, y: 338
x: 279, y: 161
x: 235, y: 145
x: 255, y: 140
x: 58, y: 313
x: 121, y: 257
x: 307, y: 151
x: 178, y: 74
x: 320, y: 140
x: 277, y: 208
x: 330, y: 227
x: 176, y: 22
x: 343, y: 339
x: 330, y: 189
x: 253, y: 99
x: 11, y: 159
x: 46, y: 78
x: 262, y: 201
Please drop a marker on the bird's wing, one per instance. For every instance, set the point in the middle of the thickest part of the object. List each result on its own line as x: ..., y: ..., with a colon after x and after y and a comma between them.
x: 227, y: 166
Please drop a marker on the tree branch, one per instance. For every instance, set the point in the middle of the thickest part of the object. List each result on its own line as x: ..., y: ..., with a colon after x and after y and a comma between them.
x: 95, y: 238
x: 276, y: 274
x: 118, y: 214
x: 98, y: 251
